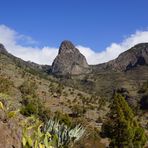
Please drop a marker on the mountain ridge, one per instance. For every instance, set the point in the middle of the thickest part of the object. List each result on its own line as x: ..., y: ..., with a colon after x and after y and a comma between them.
x: 70, y: 61
x: 89, y: 94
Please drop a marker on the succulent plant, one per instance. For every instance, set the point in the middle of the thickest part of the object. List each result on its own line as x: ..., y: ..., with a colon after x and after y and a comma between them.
x: 51, y: 134
x: 65, y: 135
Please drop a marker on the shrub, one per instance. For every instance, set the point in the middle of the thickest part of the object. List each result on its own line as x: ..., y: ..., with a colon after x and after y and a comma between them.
x: 34, y: 106
x: 5, y: 84
x: 28, y: 88
x: 29, y: 109
x: 78, y: 110
x: 63, y: 118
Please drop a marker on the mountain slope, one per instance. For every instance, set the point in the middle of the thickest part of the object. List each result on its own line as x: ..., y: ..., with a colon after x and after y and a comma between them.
x: 129, y: 71
x: 82, y: 96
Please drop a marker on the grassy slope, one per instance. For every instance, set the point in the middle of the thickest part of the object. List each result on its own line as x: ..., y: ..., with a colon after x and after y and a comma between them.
x: 63, y: 103
x: 100, y: 84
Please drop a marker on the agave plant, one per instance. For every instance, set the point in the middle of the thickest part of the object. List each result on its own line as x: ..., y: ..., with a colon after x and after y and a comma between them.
x: 62, y: 135
x: 49, y: 135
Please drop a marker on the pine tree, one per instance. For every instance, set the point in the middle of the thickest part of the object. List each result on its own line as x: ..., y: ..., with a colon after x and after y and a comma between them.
x: 122, y: 127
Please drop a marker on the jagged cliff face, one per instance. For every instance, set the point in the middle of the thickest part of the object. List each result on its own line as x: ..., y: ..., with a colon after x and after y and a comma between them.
x: 136, y: 56
x: 69, y: 61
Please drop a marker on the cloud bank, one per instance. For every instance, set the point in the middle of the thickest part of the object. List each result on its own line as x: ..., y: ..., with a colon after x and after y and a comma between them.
x: 45, y: 55
x: 114, y: 49
x: 11, y: 40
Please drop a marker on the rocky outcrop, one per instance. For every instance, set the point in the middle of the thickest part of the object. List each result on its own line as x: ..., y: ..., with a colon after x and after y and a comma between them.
x: 2, y: 49
x: 137, y: 55
x: 69, y: 61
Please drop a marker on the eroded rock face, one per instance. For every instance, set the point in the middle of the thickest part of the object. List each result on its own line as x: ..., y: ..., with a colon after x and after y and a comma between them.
x: 137, y: 55
x: 69, y: 61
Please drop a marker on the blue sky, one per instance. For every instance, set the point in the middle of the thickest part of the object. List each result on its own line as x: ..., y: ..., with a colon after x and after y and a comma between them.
x: 94, y: 24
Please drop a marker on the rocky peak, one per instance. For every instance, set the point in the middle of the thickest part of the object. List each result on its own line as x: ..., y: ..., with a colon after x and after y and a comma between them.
x: 135, y: 56
x: 69, y: 60
x: 2, y: 49
x: 66, y: 46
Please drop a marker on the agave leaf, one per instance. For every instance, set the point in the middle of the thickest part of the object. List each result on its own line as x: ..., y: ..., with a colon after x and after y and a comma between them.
x: 41, y: 145
x: 30, y: 141
x: 39, y: 133
x: 36, y: 144
x: 46, y: 140
x: 24, y: 141
x: 1, y: 105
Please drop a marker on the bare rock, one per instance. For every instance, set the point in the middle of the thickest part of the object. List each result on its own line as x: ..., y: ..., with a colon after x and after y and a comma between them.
x: 69, y: 61
x: 2, y: 49
x: 136, y: 56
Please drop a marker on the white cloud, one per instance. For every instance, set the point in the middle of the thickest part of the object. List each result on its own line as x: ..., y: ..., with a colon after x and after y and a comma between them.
x: 114, y: 49
x: 11, y: 40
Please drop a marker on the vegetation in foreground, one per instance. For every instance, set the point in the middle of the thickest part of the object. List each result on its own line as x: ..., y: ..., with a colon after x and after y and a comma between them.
x: 23, y: 85
x: 122, y: 126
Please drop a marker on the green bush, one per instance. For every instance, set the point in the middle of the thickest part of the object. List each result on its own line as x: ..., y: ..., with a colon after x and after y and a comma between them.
x: 29, y: 109
x: 28, y: 88
x: 34, y: 106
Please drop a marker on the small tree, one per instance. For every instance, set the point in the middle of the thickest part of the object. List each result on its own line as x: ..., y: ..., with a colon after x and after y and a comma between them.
x: 122, y: 127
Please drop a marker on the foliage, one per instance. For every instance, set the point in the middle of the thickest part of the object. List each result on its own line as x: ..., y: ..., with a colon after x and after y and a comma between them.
x: 122, y: 127
x: 34, y: 106
x: 28, y: 88
x: 33, y: 135
x: 5, y: 84
x: 65, y: 136
x: 1, y: 105
x: 52, y: 134
x: 63, y: 118
x: 8, y: 113
x: 31, y: 104
x: 77, y: 110
x: 7, y: 102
